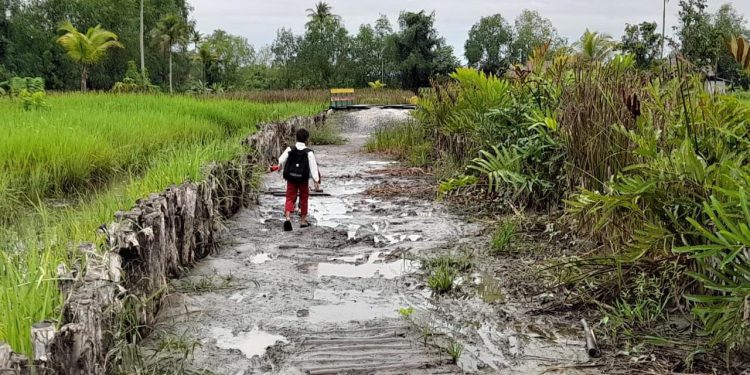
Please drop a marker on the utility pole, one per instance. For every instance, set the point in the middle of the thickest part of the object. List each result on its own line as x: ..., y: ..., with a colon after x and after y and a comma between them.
x: 664, y: 27
x: 143, y: 60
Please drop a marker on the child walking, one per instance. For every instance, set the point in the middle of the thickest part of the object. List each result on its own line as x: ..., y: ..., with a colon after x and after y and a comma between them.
x: 298, y: 166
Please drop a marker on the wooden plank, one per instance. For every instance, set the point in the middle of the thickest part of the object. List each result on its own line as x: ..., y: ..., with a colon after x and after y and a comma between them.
x: 342, y: 91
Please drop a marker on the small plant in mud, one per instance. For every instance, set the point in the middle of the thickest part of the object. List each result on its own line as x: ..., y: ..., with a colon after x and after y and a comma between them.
x: 205, y: 283
x: 460, y: 262
x: 452, y: 184
x: 406, y: 311
x: 442, y: 278
x: 325, y: 134
x: 503, y: 235
x: 455, y: 349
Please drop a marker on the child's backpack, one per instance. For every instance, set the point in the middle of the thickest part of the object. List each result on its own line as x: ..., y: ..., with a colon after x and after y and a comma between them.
x: 297, y: 167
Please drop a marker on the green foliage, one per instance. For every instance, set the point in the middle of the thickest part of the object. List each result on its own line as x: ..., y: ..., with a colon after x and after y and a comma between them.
x: 455, y: 349
x: 504, y: 234
x: 16, y: 85
x: 419, y: 52
x: 441, y: 279
x: 134, y: 82
x: 377, y: 85
x: 406, y: 141
x: 326, y: 134
x: 532, y: 31
x: 453, y: 184
x: 489, y: 46
x: 723, y: 263
x: 87, y: 49
x: 643, y: 42
x: 595, y: 46
x: 33, y: 100
x: 406, y: 311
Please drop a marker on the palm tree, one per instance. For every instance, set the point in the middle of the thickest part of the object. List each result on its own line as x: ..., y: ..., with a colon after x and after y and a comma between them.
x: 87, y: 49
x: 321, y: 13
x: 595, y: 46
x: 195, y: 37
x: 170, y: 31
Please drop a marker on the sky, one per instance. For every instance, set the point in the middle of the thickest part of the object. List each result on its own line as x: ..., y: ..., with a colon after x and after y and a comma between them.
x: 258, y: 20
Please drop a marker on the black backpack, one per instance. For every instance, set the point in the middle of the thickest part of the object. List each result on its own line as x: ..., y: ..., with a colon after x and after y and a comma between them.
x: 297, y: 167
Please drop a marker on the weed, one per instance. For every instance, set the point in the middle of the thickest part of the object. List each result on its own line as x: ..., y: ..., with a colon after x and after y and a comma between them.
x: 406, y: 311
x: 455, y: 349
x: 326, y: 134
x: 504, y: 234
x: 442, y: 278
x: 459, y: 261
x: 405, y: 141
x: 204, y: 284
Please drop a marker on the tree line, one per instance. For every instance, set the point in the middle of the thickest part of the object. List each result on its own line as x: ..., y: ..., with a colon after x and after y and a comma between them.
x: 162, y: 37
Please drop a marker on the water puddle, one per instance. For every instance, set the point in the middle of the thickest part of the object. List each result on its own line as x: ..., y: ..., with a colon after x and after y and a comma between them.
x: 260, y: 258
x: 375, y: 267
x: 250, y: 343
x: 488, y: 288
x: 351, y: 305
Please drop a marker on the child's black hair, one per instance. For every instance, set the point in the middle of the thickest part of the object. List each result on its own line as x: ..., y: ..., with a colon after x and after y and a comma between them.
x: 303, y: 135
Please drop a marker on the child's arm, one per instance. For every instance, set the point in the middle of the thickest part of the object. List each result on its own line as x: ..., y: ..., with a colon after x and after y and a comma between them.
x: 314, y: 171
x: 282, y: 159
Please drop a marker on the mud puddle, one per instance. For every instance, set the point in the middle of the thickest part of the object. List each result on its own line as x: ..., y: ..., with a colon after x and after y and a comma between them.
x: 326, y: 299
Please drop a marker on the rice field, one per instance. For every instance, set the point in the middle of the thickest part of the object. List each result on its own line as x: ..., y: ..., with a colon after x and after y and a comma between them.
x: 65, y: 171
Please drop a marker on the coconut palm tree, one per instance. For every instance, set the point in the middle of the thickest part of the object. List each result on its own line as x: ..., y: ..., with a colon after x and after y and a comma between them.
x: 321, y: 13
x: 170, y: 31
x: 87, y: 49
x: 594, y: 46
x: 143, y: 52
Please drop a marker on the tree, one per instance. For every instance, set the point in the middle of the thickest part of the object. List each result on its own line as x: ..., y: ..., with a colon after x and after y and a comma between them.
x: 383, y: 31
x: 171, y: 30
x: 728, y: 23
x: 87, y: 49
x: 696, y: 33
x: 231, y: 53
x: 489, y: 46
x: 285, y: 48
x: 594, y: 46
x: 324, y: 50
x: 533, y: 30
x: 642, y: 42
x: 321, y: 13
x: 418, y: 51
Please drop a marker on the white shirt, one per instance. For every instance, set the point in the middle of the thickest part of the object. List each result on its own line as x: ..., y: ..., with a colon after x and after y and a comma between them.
x: 314, y: 174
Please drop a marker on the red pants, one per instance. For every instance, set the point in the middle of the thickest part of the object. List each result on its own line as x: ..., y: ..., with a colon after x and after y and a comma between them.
x: 291, y: 196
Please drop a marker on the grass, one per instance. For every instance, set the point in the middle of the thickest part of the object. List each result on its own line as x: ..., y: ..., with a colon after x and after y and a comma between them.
x: 67, y: 170
x: 407, y: 141
x: 503, y: 236
x: 326, y: 134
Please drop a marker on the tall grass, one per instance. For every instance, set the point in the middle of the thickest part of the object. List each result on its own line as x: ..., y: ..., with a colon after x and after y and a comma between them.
x: 362, y: 96
x: 405, y: 141
x: 66, y: 171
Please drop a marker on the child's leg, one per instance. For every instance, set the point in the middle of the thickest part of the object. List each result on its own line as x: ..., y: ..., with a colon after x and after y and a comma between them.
x: 304, y: 195
x: 291, y: 198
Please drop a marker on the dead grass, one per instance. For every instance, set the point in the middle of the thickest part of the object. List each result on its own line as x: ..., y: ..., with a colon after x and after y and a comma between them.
x: 392, y: 190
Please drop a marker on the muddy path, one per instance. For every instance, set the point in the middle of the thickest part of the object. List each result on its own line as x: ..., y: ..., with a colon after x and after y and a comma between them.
x: 326, y: 299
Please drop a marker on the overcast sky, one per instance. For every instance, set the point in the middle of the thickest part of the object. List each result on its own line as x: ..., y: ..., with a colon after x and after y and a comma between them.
x: 258, y: 20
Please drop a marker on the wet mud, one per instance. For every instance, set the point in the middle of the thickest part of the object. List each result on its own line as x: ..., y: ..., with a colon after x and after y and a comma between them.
x: 327, y: 299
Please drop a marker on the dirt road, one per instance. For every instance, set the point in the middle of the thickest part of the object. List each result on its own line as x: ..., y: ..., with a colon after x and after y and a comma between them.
x: 326, y: 299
